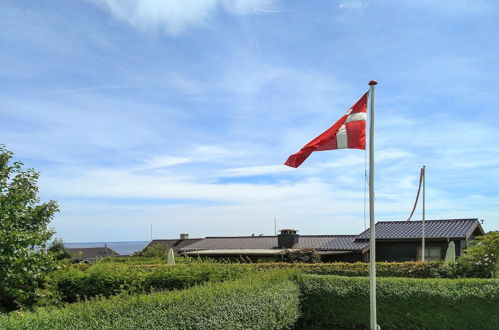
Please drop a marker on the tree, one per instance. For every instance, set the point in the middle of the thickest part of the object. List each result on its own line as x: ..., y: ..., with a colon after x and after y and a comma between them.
x: 58, y: 250
x: 155, y: 250
x: 23, y: 233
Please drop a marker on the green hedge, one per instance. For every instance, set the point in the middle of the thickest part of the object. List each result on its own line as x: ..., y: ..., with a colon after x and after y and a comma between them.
x: 268, y: 302
x: 104, y: 279
x: 432, y: 269
x: 402, y: 303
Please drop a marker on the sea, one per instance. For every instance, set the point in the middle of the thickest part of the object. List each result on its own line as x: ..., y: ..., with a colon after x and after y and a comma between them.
x: 124, y: 248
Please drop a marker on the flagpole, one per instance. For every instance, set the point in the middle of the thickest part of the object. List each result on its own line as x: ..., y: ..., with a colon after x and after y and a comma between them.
x: 423, y: 252
x: 372, y: 239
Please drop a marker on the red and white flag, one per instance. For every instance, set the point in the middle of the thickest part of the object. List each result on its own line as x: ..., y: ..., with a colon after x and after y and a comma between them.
x: 348, y: 132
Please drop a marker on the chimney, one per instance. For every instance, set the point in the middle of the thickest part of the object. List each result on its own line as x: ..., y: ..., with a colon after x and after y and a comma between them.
x: 287, y: 238
x: 184, y: 236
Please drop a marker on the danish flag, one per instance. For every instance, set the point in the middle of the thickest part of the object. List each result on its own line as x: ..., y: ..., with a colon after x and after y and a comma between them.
x: 348, y: 132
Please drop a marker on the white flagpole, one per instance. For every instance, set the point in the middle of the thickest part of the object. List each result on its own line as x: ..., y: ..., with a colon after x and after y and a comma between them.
x: 424, y: 215
x: 372, y: 239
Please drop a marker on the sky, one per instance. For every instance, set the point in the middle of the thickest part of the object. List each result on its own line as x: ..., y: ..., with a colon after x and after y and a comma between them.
x: 180, y: 113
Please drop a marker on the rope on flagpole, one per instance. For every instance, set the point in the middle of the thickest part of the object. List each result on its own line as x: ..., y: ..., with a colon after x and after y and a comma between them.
x: 417, y: 195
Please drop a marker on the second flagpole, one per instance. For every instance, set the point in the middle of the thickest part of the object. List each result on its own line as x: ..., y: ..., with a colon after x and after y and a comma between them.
x: 372, y: 239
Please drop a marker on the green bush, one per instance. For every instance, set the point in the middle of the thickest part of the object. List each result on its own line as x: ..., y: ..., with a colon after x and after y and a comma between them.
x: 155, y: 251
x: 402, y: 303
x: 432, y: 269
x: 480, y: 258
x: 485, y: 266
x: 135, y: 260
x: 266, y: 302
x: 301, y: 255
x: 104, y: 279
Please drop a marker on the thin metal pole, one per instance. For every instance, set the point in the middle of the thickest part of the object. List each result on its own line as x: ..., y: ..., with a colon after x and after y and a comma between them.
x: 151, y: 232
x: 372, y: 239
x: 423, y: 251
x: 275, y: 226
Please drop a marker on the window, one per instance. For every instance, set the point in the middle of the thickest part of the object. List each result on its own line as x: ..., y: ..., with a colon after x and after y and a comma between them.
x: 431, y: 254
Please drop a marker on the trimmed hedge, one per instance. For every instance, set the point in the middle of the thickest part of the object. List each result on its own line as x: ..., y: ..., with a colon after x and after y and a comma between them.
x: 79, y: 282
x: 269, y: 302
x: 432, y: 269
x: 76, y: 283
x: 402, y: 303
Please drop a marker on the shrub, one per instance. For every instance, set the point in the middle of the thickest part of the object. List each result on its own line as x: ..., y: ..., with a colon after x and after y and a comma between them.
x: 156, y: 250
x: 432, y: 269
x: 480, y: 259
x: 301, y: 255
x: 58, y: 250
x: 104, y: 279
x: 135, y: 260
x: 402, y: 303
x: 267, y: 302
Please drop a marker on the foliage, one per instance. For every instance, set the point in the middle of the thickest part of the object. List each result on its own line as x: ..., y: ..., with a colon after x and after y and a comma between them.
x: 432, y: 269
x: 110, y: 278
x: 155, y: 250
x: 301, y: 255
x: 263, y: 302
x: 402, y: 303
x: 480, y: 257
x: 58, y: 250
x: 134, y: 260
x: 23, y: 233
x: 107, y: 279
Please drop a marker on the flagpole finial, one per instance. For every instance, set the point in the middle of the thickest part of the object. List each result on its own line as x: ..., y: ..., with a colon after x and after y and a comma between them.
x: 373, y: 82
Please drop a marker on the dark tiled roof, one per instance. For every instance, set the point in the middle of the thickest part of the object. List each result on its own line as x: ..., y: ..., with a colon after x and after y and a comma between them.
x: 318, y: 242
x: 92, y: 252
x: 332, y: 242
x: 229, y: 243
x: 413, y: 229
x: 175, y: 244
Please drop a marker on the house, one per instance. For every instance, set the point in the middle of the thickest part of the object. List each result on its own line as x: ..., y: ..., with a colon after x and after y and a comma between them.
x: 401, y: 240
x: 175, y: 244
x: 263, y: 248
x: 395, y: 241
x: 91, y: 254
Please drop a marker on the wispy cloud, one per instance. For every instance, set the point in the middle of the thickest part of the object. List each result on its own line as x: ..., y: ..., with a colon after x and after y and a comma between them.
x: 254, y: 171
x: 175, y: 16
x: 353, y: 4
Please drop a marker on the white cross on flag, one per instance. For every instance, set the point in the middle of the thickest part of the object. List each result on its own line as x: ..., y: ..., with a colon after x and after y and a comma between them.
x: 348, y: 132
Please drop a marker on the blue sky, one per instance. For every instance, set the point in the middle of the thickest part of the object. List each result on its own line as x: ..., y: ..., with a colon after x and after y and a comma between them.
x: 180, y: 113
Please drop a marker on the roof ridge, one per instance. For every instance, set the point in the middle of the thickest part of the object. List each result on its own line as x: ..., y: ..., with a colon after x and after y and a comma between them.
x: 256, y: 236
x: 332, y: 235
x: 175, y: 239
x: 433, y: 220
x: 271, y: 236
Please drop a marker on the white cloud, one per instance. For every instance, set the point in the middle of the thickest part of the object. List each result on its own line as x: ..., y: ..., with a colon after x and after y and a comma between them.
x: 255, y: 170
x: 175, y: 16
x: 353, y: 4
x: 463, y: 6
x: 199, y: 154
x: 247, y: 6
x: 164, y: 161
